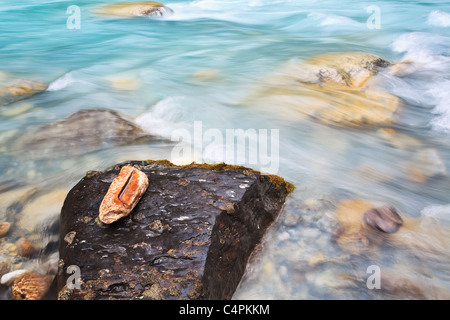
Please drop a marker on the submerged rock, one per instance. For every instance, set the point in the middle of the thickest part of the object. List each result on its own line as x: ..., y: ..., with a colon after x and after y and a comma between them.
x: 351, y: 234
x: 398, y: 140
x: 409, y: 285
x: 182, y: 240
x: 136, y: 9
x: 333, y: 89
x: 426, y: 163
x: 79, y: 133
x: 363, y: 226
x: 20, y: 90
x: 24, y: 247
x: 4, y: 228
x: 349, y: 69
x: 356, y: 107
x: 425, y: 237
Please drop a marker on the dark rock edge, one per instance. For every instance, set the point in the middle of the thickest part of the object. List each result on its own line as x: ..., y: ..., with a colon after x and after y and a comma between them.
x: 213, y: 284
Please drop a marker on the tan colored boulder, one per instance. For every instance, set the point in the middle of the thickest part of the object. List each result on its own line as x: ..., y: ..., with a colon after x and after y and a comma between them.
x: 4, y: 228
x: 136, y: 9
x: 426, y: 237
x: 358, y: 107
x: 332, y: 88
x: 352, y: 234
x: 399, y: 140
x: 350, y: 69
x: 20, y: 90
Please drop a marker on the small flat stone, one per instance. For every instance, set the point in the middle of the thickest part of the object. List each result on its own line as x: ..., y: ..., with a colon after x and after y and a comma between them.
x: 24, y: 247
x: 4, y: 228
x: 384, y: 218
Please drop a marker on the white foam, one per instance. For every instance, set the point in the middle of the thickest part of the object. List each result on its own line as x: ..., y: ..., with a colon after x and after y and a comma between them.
x: 437, y: 212
x: 230, y: 10
x: 9, y: 277
x: 212, y: 9
x: 429, y: 54
x: 423, y: 47
x: 439, y: 18
x: 164, y: 117
x: 441, y: 95
x: 61, y: 82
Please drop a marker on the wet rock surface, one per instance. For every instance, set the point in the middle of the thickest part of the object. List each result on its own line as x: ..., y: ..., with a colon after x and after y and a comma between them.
x: 189, y: 237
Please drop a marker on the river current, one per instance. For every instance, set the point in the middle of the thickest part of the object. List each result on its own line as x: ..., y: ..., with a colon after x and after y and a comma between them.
x: 213, y: 67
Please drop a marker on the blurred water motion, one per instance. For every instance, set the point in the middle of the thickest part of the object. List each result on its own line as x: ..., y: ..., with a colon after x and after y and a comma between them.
x: 347, y: 132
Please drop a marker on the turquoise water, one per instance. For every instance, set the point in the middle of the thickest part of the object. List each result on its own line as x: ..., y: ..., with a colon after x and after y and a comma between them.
x: 201, y: 65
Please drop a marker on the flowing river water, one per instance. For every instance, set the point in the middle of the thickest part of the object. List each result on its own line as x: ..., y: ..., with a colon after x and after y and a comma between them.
x: 215, y: 66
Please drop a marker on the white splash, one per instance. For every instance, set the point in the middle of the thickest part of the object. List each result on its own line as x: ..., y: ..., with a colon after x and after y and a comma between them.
x: 164, y: 117
x: 437, y: 212
x: 61, y: 82
x: 439, y: 18
x: 430, y: 55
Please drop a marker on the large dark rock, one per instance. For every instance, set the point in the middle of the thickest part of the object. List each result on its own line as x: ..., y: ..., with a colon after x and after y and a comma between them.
x: 189, y: 237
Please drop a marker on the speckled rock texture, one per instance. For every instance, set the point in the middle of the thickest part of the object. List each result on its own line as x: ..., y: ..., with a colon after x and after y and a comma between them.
x: 189, y: 237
